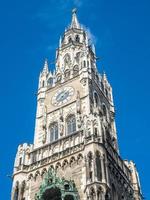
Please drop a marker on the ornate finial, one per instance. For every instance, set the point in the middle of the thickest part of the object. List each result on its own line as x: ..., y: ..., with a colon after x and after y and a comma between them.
x: 45, y: 68
x: 74, y: 10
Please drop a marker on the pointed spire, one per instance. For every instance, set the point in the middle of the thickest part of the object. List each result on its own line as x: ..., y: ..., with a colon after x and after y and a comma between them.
x: 74, y: 22
x: 45, y: 68
x: 104, y: 76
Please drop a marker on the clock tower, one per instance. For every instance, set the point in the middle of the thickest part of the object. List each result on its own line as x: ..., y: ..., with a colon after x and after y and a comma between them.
x: 75, y: 155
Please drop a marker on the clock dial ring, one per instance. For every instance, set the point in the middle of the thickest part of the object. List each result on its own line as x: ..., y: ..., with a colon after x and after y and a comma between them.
x: 62, y: 96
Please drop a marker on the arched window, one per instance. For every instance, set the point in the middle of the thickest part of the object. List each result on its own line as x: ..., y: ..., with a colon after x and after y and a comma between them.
x: 75, y: 70
x: 50, y: 82
x: 84, y: 63
x: 77, y: 38
x: 99, y: 193
x: 67, y: 74
x: 43, y: 83
x: 106, y: 91
x: 96, y: 101
x: 58, y: 78
x: 71, y: 124
x: 69, y: 40
x: 16, y: 192
x: 90, y: 160
x: 114, y: 193
x: 98, y: 166
x: 53, y: 132
x: 23, y: 185
x: 67, y: 60
x: 77, y: 57
x: 104, y: 110
x: 92, y: 194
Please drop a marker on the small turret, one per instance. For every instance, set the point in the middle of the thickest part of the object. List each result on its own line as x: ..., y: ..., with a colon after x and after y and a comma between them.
x: 43, y: 75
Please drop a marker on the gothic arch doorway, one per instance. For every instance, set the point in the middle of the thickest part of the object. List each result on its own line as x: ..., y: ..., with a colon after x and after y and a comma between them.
x: 52, y: 194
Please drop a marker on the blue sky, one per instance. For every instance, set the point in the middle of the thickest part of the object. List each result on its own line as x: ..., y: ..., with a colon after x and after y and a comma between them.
x: 29, y: 33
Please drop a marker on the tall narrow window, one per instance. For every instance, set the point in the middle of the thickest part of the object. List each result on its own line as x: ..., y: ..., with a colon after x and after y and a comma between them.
x: 50, y: 82
x: 96, y: 99
x: 104, y: 110
x: 77, y: 38
x: 90, y: 172
x: 75, y: 70
x: 23, y: 185
x: 53, y: 132
x: 114, y: 193
x: 16, y: 192
x: 71, y: 124
x: 69, y: 40
x: 98, y: 165
x: 43, y: 83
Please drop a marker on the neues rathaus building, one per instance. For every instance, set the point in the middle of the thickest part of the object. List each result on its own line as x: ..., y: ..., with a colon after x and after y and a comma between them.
x: 75, y: 153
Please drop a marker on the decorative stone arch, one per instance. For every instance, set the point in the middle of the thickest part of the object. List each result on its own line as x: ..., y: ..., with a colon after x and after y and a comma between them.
x: 92, y: 193
x: 72, y: 161
x: 58, y: 78
x: 79, y: 158
x: 51, y: 167
x: 57, y: 166
x: 75, y: 70
x: 37, y: 173
x: 30, y: 177
x: 65, y: 163
x: 56, y: 188
x: 43, y: 172
x: 67, y: 74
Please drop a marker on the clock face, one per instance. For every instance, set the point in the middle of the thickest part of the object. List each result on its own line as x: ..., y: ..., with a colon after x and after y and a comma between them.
x: 62, y: 96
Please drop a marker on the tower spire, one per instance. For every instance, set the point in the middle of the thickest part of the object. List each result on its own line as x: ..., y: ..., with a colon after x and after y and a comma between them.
x: 45, y: 68
x: 74, y: 21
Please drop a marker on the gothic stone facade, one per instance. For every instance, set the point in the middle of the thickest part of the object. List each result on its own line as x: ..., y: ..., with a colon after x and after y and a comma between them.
x: 75, y: 154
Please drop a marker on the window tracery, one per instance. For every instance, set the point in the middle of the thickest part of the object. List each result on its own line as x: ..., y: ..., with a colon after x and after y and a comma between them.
x: 98, y: 166
x: 53, y: 131
x: 67, y: 74
x: 67, y: 60
x: 77, y: 38
x: 71, y: 124
x: 50, y: 82
x: 75, y: 70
